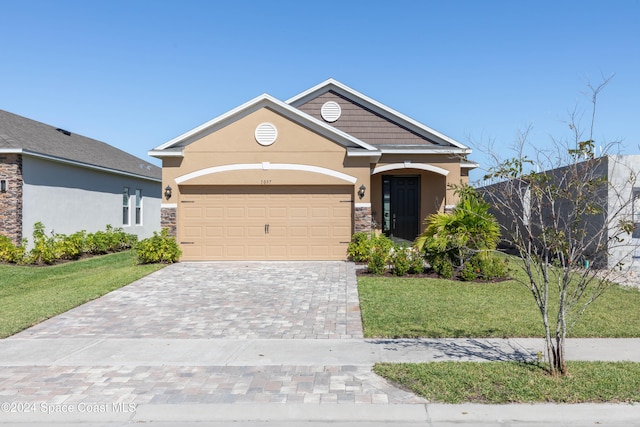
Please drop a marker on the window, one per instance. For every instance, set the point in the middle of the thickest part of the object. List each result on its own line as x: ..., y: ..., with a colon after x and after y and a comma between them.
x: 636, y: 212
x: 138, y: 207
x: 125, y: 206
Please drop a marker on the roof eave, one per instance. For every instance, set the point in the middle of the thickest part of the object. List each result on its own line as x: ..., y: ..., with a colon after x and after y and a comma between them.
x: 469, y: 165
x: 165, y: 153
x: 421, y: 150
x: 86, y: 165
x: 374, y: 156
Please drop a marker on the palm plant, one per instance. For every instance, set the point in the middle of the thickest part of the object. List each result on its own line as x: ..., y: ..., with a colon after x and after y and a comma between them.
x: 451, y: 239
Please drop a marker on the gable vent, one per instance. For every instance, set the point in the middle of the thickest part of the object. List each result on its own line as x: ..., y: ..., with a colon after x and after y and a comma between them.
x: 331, y: 111
x: 266, y: 134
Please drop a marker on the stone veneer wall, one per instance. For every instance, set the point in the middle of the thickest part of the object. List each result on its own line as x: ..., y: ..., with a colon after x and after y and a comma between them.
x: 362, y: 218
x: 11, y: 200
x: 168, y: 220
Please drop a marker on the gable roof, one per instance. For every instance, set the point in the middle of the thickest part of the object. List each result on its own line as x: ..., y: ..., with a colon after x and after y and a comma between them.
x: 440, y: 141
x: 25, y: 136
x: 354, y: 145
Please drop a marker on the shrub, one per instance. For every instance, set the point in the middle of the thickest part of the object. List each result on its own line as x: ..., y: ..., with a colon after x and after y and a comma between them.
x: 10, y: 252
x: 400, y: 260
x: 416, y: 262
x: 443, y: 266
x: 110, y: 240
x: 383, y: 242
x: 161, y: 248
x: 485, y: 266
x: 97, y: 243
x: 44, y: 248
x: 70, y: 247
x: 359, y: 249
x: 378, y: 261
x: 469, y: 272
x: 491, y: 266
x: 363, y: 245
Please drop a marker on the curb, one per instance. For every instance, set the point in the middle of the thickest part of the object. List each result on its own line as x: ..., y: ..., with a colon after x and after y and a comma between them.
x: 197, y: 413
x: 543, y: 413
x: 421, y: 414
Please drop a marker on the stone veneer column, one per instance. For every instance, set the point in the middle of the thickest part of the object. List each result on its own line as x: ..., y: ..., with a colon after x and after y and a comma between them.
x: 11, y: 200
x: 362, y: 217
x: 169, y: 220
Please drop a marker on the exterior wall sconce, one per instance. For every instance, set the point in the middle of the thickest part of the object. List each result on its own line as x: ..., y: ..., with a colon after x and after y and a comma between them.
x: 167, y: 192
x: 361, y: 191
x: 3, y: 185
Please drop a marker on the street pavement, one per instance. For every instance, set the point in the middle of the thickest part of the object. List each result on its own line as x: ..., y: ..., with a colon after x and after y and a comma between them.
x: 253, y: 344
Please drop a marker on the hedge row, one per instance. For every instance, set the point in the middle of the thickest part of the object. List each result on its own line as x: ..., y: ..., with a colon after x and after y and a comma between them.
x: 49, y: 249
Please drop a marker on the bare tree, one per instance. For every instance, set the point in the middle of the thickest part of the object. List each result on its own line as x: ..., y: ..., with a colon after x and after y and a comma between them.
x: 566, y: 214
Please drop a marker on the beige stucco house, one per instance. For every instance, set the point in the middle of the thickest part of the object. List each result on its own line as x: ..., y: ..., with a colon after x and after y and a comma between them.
x: 293, y: 180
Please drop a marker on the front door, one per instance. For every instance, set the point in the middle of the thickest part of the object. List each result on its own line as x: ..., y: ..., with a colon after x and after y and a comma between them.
x: 401, y: 206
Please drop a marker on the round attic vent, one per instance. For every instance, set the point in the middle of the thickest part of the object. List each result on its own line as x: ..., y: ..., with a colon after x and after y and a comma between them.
x: 266, y: 134
x: 331, y: 111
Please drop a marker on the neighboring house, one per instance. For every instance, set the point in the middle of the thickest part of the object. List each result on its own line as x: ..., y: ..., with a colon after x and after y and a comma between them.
x: 619, y: 197
x: 71, y: 183
x: 294, y: 180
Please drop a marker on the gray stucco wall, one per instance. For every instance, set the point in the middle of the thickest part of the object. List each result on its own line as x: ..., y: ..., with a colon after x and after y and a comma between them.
x: 67, y: 198
x: 623, y: 173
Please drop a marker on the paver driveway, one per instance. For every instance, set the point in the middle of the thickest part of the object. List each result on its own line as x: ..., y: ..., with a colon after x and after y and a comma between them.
x: 250, y: 301
x: 240, y: 300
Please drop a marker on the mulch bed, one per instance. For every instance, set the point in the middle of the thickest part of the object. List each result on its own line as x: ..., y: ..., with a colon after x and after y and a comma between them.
x: 361, y: 270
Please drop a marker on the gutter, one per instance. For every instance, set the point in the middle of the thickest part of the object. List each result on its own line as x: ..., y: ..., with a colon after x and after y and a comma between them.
x: 76, y: 163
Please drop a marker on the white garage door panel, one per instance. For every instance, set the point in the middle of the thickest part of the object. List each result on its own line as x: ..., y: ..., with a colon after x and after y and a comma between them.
x: 265, y: 223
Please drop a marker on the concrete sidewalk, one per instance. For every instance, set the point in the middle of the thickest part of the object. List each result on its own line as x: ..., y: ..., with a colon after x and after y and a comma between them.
x: 255, y: 382
x: 269, y: 352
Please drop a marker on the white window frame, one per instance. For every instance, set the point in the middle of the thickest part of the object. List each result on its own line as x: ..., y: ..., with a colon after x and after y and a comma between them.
x: 126, y: 204
x: 138, y: 206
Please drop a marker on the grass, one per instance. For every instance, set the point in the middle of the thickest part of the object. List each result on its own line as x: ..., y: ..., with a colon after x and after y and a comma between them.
x: 409, y: 308
x: 512, y: 382
x: 29, y: 295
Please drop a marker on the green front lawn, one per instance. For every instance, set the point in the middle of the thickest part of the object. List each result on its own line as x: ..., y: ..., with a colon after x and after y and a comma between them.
x: 512, y: 382
x: 29, y: 295
x: 409, y: 307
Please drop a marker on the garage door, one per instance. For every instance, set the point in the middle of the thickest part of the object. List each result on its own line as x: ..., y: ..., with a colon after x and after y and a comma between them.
x: 265, y: 223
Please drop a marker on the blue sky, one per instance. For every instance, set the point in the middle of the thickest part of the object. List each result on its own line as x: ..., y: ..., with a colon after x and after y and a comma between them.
x: 137, y: 73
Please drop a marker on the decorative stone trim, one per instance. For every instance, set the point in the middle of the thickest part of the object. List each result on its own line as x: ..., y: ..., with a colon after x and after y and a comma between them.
x: 362, y: 218
x: 169, y: 220
x: 11, y: 201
